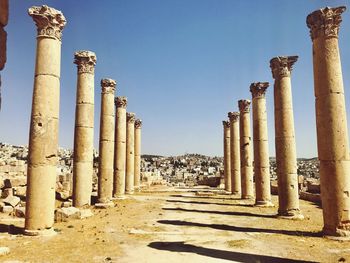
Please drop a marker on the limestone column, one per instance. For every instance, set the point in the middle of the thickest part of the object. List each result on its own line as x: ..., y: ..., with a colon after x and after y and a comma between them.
x: 331, y: 121
x: 4, y: 16
x: 130, y: 148
x: 227, y: 156
x: 43, y: 136
x: 235, y: 157
x: 261, y: 145
x: 137, y: 144
x: 106, y: 149
x: 120, y: 147
x: 84, y: 129
x: 286, y: 159
x: 245, y: 150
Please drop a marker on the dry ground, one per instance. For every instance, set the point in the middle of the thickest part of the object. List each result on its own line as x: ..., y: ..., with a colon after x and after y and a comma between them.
x: 179, y: 227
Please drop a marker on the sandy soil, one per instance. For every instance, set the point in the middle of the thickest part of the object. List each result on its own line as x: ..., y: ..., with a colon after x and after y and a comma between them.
x: 178, y: 227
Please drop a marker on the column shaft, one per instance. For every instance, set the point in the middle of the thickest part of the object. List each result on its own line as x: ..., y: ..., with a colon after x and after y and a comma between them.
x: 331, y: 121
x: 120, y: 147
x: 130, y: 158
x: 245, y: 150
x: 84, y: 129
x: 137, y: 164
x: 43, y: 137
x: 235, y: 157
x: 227, y: 156
x: 106, y: 149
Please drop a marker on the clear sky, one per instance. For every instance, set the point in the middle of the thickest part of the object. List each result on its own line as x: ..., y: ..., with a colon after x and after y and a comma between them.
x: 183, y: 64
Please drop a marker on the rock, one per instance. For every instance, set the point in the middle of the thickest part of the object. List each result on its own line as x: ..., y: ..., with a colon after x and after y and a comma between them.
x: 17, y: 181
x: 66, y: 204
x: 64, y: 214
x: 4, y: 251
x: 62, y: 195
x: 84, y: 213
x: 20, y: 191
x: 6, y: 192
x: 7, y: 209
x: 20, y: 211
x: 12, y: 200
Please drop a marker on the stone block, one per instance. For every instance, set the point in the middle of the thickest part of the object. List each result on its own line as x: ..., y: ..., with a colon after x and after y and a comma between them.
x: 6, y: 192
x: 65, y: 214
x: 20, y: 191
x: 7, y: 209
x: 84, y: 213
x: 17, y: 181
x: 66, y: 204
x: 4, y: 251
x: 12, y: 200
x: 20, y: 211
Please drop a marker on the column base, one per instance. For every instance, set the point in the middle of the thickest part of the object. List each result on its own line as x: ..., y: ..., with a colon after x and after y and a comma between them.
x: 119, y: 197
x: 264, y: 204
x: 247, y: 197
x: 42, y: 233
x: 104, y: 205
x: 337, y: 234
x: 291, y: 216
x: 129, y: 192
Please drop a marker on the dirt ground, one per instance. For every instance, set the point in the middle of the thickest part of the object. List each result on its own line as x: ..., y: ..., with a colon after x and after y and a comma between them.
x: 178, y: 226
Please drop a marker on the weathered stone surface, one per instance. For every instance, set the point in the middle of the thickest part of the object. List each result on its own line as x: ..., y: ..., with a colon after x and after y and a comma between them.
x: 3, y: 39
x: 20, y: 211
x: 4, y: 251
x: 12, y: 200
x: 4, y: 12
x: 7, y: 192
x: 7, y: 209
x: 227, y: 156
x: 64, y: 214
x: 85, y: 213
x: 20, y: 191
x: 17, y: 181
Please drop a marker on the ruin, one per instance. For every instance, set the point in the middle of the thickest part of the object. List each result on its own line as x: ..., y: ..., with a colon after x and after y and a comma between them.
x: 84, y: 129
x: 245, y: 150
x: 137, y: 153
x: 227, y: 156
x: 4, y: 17
x: 261, y: 145
x: 120, y: 147
x: 286, y: 159
x: 106, y: 149
x: 235, y: 153
x: 331, y: 121
x: 43, y: 138
x: 130, y: 154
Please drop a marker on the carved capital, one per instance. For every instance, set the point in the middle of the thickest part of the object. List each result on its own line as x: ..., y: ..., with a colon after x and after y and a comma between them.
x: 325, y: 22
x: 233, y: 116
x: 258, y: 89
x: 282, y: 66
x: 244, y: 106
x: 108, y: 85
x: 226, y: 124
x: 86, y: 61
x: 130, y: 117
x: 138, y: 124
x: 121, y: 102
x: 49, y: 21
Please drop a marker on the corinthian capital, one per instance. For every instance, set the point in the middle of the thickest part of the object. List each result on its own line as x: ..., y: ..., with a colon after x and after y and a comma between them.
x: 49, y: 21
x: 138, y: 124
x: 86, y: 61
x: 282, y: 66
x: 325, y: 22
x: 244, y: 106
x: 226, y: 124
x: 121, y: 102
x: 258, y: 89
x: 108, y: 85
x: 130, y: 117
x: 233, y: 116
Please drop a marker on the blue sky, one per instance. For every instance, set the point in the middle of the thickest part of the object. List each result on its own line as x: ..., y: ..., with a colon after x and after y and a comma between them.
x: 183, y: 64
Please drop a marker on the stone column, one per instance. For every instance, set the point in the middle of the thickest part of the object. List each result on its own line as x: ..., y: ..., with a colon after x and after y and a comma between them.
x: 43, y: 137
x: 130, y: 158
x: 120, y: 147
x: 286, y: 159
x: 137, y: 164
x: 235, y: 157
x: 331, y: 121
x: 227, y: 156
x: 245, y: 150
x: 84, y: 129
x: 106, y: 151
x: 4, y: 16
x: 261, y: 145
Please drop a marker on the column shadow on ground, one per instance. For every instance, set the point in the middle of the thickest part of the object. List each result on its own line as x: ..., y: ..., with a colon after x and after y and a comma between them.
x: 220, y: 254
x: 230, y: 213
x: 11, y: 229
x: 206, y: 203
x: 241, y: 229
x: 208, y: 197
